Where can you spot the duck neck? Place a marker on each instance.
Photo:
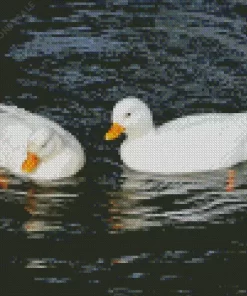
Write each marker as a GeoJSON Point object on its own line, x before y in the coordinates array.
{"type": "Point", "coordinates": [140, 131]}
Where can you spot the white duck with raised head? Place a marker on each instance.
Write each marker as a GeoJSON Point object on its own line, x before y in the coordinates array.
{"type": "Point", "coordinates": [194, 143]}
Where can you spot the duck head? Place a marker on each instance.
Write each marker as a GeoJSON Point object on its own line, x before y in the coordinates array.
{"type": "Point", "coordinates": [42, 145]}
{"type": "Point", "coordinates": [130, 116]}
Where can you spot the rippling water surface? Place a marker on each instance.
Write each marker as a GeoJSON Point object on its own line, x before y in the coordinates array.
{"type": "Point", "coordinates": [108, 230]}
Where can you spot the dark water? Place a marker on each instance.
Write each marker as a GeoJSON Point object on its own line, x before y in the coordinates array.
{"type": "Point", "coordinates": [110, 231]}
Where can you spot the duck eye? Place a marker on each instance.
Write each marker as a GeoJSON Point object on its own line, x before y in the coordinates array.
{"type": "Point", "coordinates": [128, 114]}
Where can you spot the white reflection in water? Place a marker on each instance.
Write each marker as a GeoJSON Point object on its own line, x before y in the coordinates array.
{"type": "Point", "coordinates": [45, 203]}
{"type": "Point", "coordinates": [146, 200]}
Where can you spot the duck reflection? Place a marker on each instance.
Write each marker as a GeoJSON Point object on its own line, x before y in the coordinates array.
{"type": "Point", "coordinates": [46, 205]}
{"type": "Point", "coordinates": [146, 200]}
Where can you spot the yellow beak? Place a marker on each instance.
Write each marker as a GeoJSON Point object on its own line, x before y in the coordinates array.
{"type": "Point", "coordinates": [114, 132]}
{"type": "Point", "coordinates": [30, 163]}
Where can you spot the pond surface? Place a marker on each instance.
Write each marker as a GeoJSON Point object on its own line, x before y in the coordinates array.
{"type": "Point", "coordinates": [109, 230]}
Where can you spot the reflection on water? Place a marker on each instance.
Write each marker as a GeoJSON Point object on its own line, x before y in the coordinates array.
{"type": "Point", "coordinates": [45, 209]}
{"type": "Point", "coordinates": [139, 201]}
{"type": "Point", "coordinates": [146, 201]}
{"type": "Point", "coordinates": [45, 204]}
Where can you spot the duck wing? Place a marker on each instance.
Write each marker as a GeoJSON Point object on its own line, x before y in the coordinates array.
{"type": "Point", "coordinates": [192, 121]}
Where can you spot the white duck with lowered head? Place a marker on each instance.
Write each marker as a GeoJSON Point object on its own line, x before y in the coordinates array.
{"type": "Point", "coordinates": [37, 148]}
{"type": "Point", "coordinates": [194, 143]}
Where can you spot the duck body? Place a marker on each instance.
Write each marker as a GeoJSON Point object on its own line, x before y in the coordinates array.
{"type": "Point", "coordinates": [61, 154]}
{"type": "Point", "coordinates": [195, 143]}
{"type": "Point", "coordinates": [189, 144]}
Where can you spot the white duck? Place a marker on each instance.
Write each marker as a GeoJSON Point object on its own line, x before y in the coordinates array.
{"type": "Point", "coordinates": [195, 143]}
{"type": "Point", "coordinates": [32, 146]}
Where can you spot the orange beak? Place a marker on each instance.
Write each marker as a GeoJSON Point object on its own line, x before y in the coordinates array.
{"type": "Point", "coordinates": [114, 132]}
{"type": "Point", "coordinates": [30, 163]}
